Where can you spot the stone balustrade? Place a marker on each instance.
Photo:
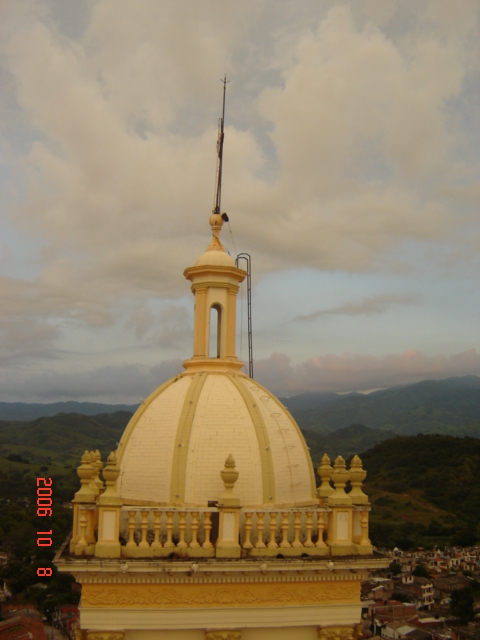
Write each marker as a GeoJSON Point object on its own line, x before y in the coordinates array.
{"type": "Point", "coordinates": [336, 524]}
{"type": "Point", "coordinates": [286, 532]}
{"type": "Point", "coordinates": [158, 532]}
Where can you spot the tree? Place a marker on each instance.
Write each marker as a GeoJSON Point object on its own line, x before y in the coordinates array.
{"type": "Point", "coordinates": [421, 571]}
{"type": "Point", "coordinates": [461, 604]}
{"type": "Point", "coordinates": [401, 597]}
{"type": "Point", "coordinates": [395, 567]}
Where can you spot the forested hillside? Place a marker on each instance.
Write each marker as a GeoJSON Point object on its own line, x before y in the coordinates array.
{"type": "Point", "coordinates": [66, 434]}
{"type": "Point", "coordinates": [345, 442]}
{"type": "Point", "coordinates": [449, 406]}
{"type": "Point", "coordinates": [425, 490]}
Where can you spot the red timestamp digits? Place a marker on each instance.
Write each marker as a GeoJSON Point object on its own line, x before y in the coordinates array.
{"type": "Point", "coordinates": [44, 508]}
{"type": "Point", "coordinates": [44, 542]}
{"type": "Point", "coordinates": [44, 497]}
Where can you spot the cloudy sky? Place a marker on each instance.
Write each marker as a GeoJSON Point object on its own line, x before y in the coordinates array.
{"type": "Point", "coordinates": [351, 175]}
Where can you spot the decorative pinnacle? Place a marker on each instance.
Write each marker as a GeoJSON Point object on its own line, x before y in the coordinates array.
{"type": "Point", "coordinates": [340, 477]}
{"type": "Point", "coordinates": [325, 472]}
{"type": "Point", "coordinates": [216, 222]}
{"type": "Point", "coordinates": [229, 476]}
{"type": "Point", "coordinates": [357, 476]}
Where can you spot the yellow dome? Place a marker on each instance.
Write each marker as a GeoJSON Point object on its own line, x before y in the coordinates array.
{"type": "Point", "coordinates": [215, 258]}
{"type": "Point", "coordinates": [175, 445]}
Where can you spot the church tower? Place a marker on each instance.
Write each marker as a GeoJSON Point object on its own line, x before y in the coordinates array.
{"type": "Point", "coordinates": [207, 523]}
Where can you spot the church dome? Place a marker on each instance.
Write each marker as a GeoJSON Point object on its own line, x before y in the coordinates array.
{"type": "Point", "coordinates": [176, 444]}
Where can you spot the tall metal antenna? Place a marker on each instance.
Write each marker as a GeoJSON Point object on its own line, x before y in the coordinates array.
{"type": "Point", "coordinates": [216, 209]}
{"type": "Point", "coordinates": [221, 123]}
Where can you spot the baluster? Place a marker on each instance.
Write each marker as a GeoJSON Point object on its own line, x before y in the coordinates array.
{"type": "Point", "coordinates": [144, 525]}
{"type": "Point", "coordinates": [321, 527]}
{"type": "Point", "coordinates": [157, 524]}
{"type": "Point", "coordinates": [273, 528]}
{"type": "Point", "coordinates": [194, 524]}
{"type": "Point", "coordinates": [182, 526]}
{"type": "Point", "coordinates": [169, 543]}
{"type": "Point", "coordinates": [296, 527]}
{"type": "Point", "coordinates": [309, 527]}
{"type": "Point", "coordinates": [248, 529]}
{"type": "Point", "coordinates": [131, 529]}
{"type": "Point", "coordinates": [285, 526]}
{"type": "Point", "coordinates": [260, 526]}
{"type": "Point", "coordinates": [207, 523]}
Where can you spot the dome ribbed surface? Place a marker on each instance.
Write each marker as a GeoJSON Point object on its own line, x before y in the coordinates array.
{"type": "Point", "coordinates": [176, 444]}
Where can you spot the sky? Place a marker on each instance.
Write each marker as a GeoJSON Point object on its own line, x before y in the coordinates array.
{"type": "Point", "coordinates": [351, 176]}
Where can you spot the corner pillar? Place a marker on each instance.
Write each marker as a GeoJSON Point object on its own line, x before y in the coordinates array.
{"type": "Point", "coordinates": [108, 545]}
{"type": "Point", "coordinates": [361, 508]}
{"type": "Point", "coordinates": [227, 545]}
{"type": "Point", "coordinates": [340, 533]}
{"type": "Point", "coordinates": [84, 512]}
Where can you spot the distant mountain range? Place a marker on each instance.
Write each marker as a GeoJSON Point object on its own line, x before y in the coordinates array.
{"type": "Point", "coordinates": [24, 412]}
{"type": "Point", "coordinates": [450, 406]}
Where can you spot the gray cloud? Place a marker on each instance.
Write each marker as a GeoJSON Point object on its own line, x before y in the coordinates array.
{"type": "Point", "coordinates": [337, 373]}
{"type": "Point", "coordinates": [127, 384]}
{"type": "Point", "coordinates": [355, 372]}
{"type": "Point", "coordinates": [368, 306]}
